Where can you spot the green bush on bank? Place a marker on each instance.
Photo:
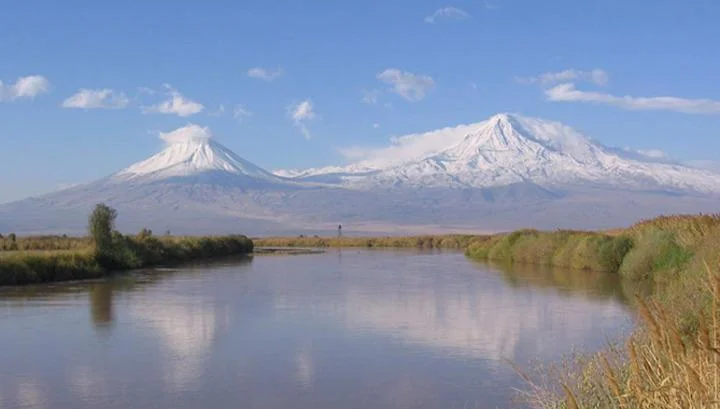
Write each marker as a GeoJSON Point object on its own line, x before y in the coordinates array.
{"type": "Point", "coordinates": [567, 249]}
{"type": "Point", "coordinates": [112, 251]}
{"type": "Point", "coordinates": [28, 268]}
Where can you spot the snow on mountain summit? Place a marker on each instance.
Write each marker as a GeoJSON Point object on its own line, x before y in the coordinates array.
{"type": "Point", "coordinates": [190, 151]}
{"type": "Point", "coordinates": [507, 149]}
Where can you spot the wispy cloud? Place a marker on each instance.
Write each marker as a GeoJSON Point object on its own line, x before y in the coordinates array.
{"type": "Point", "coordinates": [569, 93]}
{"type": "Point", "coordinates": [490, 6]}
{"type": "Point", "coordinates": [410, 86]}
{"type": "Point", "coordinates": [219, 112]}
{"type": "Point", "coordinates": [96, 99]}
{"type": "Point", "coordinates": [264, 74]}
{"type": "Point", "coordinates": [447, 14]}
{"type": "Point", "coordinates": [653, 153]}
{"type": "Point", "coordinates": [597, 76]}
{"type": "Point", "coordinates": [177, 104]}
{"type": "Point", "coordinates": [146, 90]}
{"type": "Point", "coordinates": [376, 125]}
{"type": "Point", "coordinates": [24, 87]}
{"type": "Point", "coordinates": [240, 113]}
{"type": "Point", "coordinates": [371, 97]}
{"type": "Point", "coordinates": [301, 113]}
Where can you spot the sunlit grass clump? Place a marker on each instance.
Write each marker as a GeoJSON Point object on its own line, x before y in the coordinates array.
{"type": "Point", "coordinates": [658, 367]}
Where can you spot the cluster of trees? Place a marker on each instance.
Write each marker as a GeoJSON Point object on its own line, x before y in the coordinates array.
{"type": "Point", "coordinates": [113, 250]}
{"type": "Point", "coordinates": [9, 243]}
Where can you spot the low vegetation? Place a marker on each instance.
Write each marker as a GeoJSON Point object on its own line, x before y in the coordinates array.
{"type": "Point", "coordinates": [11, 242]}
{"type": "Point", "coordinates": [659, 366]}
{"type": "Point", "coordinates": [428, 242]}
{"type": "Point", "coordinates": [672, 361]}
{"type": "Point", "coordinates": [108, 250]}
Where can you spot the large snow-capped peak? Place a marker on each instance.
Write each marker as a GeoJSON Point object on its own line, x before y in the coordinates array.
{"type": "Point", "coordinates": [191, 151]}
{"type": "Point", "coordinates": [509, 148]}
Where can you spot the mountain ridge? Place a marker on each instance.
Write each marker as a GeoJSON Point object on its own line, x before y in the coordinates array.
{"type": "Point", "coordinates": [503, 173]}
{"type": "Point", "coordinates": [509, 148]}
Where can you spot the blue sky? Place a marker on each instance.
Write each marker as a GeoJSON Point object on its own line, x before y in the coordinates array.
{"type": "Point", "coordinates": [316, 77]}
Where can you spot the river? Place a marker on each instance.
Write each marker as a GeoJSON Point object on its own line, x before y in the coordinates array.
{"type": "Point", "coordinates": [344, 329]}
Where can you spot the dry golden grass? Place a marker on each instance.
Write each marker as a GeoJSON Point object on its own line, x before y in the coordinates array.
{"type": "Point", "coordinates": [658, 367]}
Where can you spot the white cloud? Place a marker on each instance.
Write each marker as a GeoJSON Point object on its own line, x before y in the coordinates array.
{"type": "Point", "coordinates": [371, 97]}
{"type": "Point", "coordinates": [146, 90]}
{"type": "Point", "coordinates": [25, 87]}
{"type": "Point", "coordinates": [597, 76]}
{"type": "Point", "coordinates": [376, 125]}
{"type": "Point", "coordinates": [408, 147]}
{"type": "Point", "coordinates": [301, 113]}
{"type": "Point", "coordinates": [447, 14]}
{"type": "Point", "coordinates": [408, 85]}
{"type": "Point", "coordinates": [188, 133]}
{"type": "Point", "coordinates": [176, 105]}
{"type": "Point", "coordinates": [264, 74]}
{"type": "Point", "coordinates": [569, 93]}
{"type": "Point", "coordinates": [97, 98]}
{"type": "Point", "coordinates": [241, 113]}
{"type": "Point", "coordinates": [653, 153]}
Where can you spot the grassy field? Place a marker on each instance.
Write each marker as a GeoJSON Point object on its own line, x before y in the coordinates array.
{"type": "Point", "coordinates": [672, 361]}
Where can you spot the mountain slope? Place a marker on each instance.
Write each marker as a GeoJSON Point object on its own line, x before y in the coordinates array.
{"type": "Point", "coordinates": [508, 149]}
{"type": "Point", "coordinates": [191, 152]}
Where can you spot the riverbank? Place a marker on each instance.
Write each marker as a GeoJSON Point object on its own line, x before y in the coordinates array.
{"type": "Point", "coordinates": [450, 241]}
{"type": "Point", "coordinates": [284, 251]}
{"type": "Point", "coordinates": [672, 358]}
{"type": "Point", "coordinates": [129, 252]}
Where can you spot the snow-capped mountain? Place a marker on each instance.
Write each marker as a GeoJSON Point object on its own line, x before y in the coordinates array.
{"type": "Point", "coordinates": [508, 149]}
{"type": "Point", "coordinates": [191, 152]}
{"type": "Point", "coordinates": [503, 173]}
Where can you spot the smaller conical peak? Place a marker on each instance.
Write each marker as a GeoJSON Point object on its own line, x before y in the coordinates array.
{"type": "Point", "coordinates": [191, 150]}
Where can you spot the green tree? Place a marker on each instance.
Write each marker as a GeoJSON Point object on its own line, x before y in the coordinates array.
{"type": "Point", "coordinates": [101, 225]}
{"type": "Point", "coordinates": [13, 242]}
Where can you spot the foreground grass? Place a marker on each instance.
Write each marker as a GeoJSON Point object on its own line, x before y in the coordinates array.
{"type": "Point", "coordinates": [672, 359]}
{"type": "Point", "coordinates": [658, 366]}
{"type": "Point", "coordinates": [130, 252]}
{"type": "Point", "coordinates": [456, 241]}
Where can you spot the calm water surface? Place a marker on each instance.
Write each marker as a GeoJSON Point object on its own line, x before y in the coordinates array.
{"type": "Point", "coordinates": [345, 329]}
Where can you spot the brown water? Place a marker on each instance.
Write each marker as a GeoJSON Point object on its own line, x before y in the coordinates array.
{"type": "Point", "coordinates": [345, 329]}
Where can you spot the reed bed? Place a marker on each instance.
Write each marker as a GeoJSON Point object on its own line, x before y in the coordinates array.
{"type": "Point", "coordinates": [657, 367]}
{"type": "Point", "coordinates": [427, 242]}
